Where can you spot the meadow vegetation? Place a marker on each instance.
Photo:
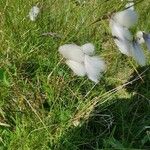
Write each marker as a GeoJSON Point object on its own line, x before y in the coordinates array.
{"type": "Point", "coordinates": [44, 106]}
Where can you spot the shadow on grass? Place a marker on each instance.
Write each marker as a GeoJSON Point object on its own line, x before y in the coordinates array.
{"type": "Point", "coordinates": [123, 125]}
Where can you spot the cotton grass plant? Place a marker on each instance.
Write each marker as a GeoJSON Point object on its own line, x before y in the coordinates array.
{"type": "Point", "coordinates": [81, 60]}
{"type": "Point", "coordinates": [44, 105]}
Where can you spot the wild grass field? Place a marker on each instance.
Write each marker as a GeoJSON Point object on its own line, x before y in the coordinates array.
{"type": "Point", "coordinates": [44, 106]}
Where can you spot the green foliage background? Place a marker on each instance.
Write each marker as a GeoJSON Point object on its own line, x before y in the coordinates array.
{"type": "Point", "coordinates": [44, 106]}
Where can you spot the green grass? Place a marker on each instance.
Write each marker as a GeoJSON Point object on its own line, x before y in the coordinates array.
{"type": "Point", "coordinates": [44, 106]}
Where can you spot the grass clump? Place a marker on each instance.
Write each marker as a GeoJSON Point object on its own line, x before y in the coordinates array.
{"type": "Point", "coordinates": [44, 106]}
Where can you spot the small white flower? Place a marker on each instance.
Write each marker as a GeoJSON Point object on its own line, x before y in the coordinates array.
{"type": "Point", "coordinates": [34, 11]}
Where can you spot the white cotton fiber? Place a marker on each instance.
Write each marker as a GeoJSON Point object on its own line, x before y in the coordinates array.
{"type": "Point", "coordinates": [126, 18]}
{"type": "Point", "coordinates": [88, 48]}
{"type": "Point", "coordinates": [138, 54]}
{"type": "Point", "coordinates": [143, 37]}
{"type": "Point", "coordinates": [139, 37]}
{"type": "Point", "coordinates": [72, 52]}
{"type": "Point", "coordinates": [124, 46]}
{"type": "Point", "coordinates": [94, 67]}
{"type": "Point", "coordinates": [120, 31]}
{"type": "Point", "coordinates": [77, 68]}
{"type": "Point", "coordinates": [34, 11]}
{"type": "Point", "coordinates": [122, 37]}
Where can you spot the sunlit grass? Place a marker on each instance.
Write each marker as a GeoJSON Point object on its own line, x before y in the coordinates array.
{"type": "Point", "coordinates": [43, 105]}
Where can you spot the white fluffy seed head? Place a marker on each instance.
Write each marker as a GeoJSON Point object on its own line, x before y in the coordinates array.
{"type": "Point", "coordinates": [143, 37]}
{"type": "Point", "coordinates": [122, 37]}
{"type": "Point", "coordinates": [120, 31]}
{"type": "Point", "coordinates": [139, 37]}
{"type": "Point", "coordinates": [88, 48]}
{"type": "Point", "coordinates": [94, 67]}
{"type": "Point", "coordinates": [34, 11]}
{"type": "Point", "coordinates": [137, 54]}
{"type": "Point", "coordinates": [79, 61]}
{"type": "Point", "coordinates": [126, 18]}
{"type": "Point", "coordinates": [124, 46]}
{"type": "Point", "coordinates": [72, 52]}
{"type": "Point", "coordinates": [76, 67]}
